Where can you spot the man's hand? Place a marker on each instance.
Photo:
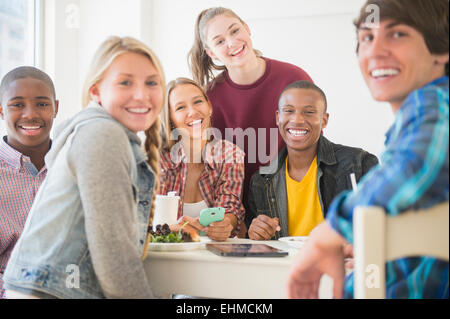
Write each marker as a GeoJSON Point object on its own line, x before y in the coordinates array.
{"type": "Point", "coordinates": [263, 228]}
{"type": "Point", "coordinates": [322, 254]}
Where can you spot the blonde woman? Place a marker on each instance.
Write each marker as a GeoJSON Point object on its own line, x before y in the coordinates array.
{"type": "Point", "coordinates": [87, 231]}
{"type": "Point", "coordinates": [204, 171]}
{"type": "Point", "coordinates": [245, 94]}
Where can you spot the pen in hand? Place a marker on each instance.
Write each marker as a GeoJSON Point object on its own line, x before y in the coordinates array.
{"type": "Point", "coordinates": [353, 180]}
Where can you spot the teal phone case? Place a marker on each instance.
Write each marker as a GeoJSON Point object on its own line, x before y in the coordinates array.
{"type": "Point", "coordinates": [211, 215]}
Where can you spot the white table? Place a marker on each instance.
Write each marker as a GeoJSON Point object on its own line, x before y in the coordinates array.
{"type": "Point", "coordinates": [204, 274]}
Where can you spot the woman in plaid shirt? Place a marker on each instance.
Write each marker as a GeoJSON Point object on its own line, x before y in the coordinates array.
{"type": "Point", "coordinates": [203, 170]}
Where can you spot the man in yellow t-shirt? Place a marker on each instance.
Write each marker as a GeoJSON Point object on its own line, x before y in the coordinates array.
{"type": "Point", "coordinates": [309, 172]}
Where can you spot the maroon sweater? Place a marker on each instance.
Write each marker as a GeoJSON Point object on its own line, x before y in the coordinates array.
{"type": "Point", "coordinates": [253, 106]}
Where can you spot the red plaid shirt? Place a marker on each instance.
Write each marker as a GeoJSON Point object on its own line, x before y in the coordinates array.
{"type": "Point", "coordinates": [220, 183]}
{"type": "Point", "coordinates": [19, 183]}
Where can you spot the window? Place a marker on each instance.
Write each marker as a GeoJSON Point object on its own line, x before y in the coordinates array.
{"type": "Point", "coordinates": [17, 37]}
{"type": "Point", "coordinates": [17, 34]}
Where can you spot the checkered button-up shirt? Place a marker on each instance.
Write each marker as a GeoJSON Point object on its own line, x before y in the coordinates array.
{"type": "Point", "coordinates": [19, 183]}
{"type": "Point", "coordinates": [221, 182]}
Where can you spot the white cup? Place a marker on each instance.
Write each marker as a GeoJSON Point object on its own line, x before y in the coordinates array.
{"type": "Point", "coordinates": [166, 210]}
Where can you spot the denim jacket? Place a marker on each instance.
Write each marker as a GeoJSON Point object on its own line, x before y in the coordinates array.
{"type": "Point", "coordinates": [335, 163]}
{"type": "Point", "coordinates": [55, 236]}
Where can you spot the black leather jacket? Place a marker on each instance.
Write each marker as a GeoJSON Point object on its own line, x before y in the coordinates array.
{"type": "Point", "coordinates": [267, 194]}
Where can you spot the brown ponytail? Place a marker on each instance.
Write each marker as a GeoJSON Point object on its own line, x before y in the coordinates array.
{"type": "Point", "coordinates": [201, 63]}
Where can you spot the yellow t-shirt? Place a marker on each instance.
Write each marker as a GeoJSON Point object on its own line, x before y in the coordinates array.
{"type": "Point", "coordinates": [304, 210]}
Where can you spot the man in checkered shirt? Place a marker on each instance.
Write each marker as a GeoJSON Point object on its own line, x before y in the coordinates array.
{"type": "Point", "coordinates": [28, 106]}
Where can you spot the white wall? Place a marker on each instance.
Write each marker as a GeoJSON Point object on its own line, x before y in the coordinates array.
{"type": "Point", "coordinates": [73, 31]}
{"type": "Point", "coordinates": [316, 35]}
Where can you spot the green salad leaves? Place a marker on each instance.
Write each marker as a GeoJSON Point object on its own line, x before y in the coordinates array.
{"type": "Point", "coordinates": [164, 235]}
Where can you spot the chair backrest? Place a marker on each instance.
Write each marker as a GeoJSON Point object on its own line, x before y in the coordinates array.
{"type": "Point", "coordinates": [379, 238]}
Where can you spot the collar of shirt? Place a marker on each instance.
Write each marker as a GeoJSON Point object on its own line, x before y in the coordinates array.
{"type": "Point", "coordinates": [409, 105]}
{"type": "Point", "coordinates": [16, 159]}
{"type": "Point", "coordinates": [11, 156]}
{"type": "Point", "coordinates": [325, 152]}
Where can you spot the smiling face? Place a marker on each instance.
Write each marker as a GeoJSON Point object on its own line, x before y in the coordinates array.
{"type": "Point", "coordinates": [301, 116]}
{"type": "Point", "coordinates": [228, 40]}
{"type": "Point", "coordinates": [190, 110]}
{"type": "Point", "coordinates": [28, 107]}
{"type": "Point", "coordinates": [395, 61]}
{"type": "Point", "coordinates": [130, 91]}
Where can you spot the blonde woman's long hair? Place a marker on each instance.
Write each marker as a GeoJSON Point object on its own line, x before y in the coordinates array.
{"type": "Point", "coordinates": [104, 56]}
{"type": "Point", "coordinates": [202, 66]}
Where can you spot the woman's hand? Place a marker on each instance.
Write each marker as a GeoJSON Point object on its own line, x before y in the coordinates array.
{"type": "Point", "coordinates": [263, 228]}
{"type": "Point", "coordinates": [220, 231]}
{"type": "Point", "coordinates": [193, 222]}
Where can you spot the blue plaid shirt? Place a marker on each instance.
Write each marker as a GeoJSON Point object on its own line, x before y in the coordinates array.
{"type": "Point", "coordinates": [413, 174]}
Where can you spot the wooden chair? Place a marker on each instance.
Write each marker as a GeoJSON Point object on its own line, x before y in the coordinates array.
{"type": "Point", "coordinates": [379, 238]}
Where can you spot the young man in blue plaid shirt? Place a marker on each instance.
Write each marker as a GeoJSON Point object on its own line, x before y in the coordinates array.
{"type": "Point", "coordinates": [404, 61]}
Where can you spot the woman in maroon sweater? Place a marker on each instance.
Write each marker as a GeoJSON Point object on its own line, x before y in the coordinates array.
{"type": "Point", "coordinates": [245, 94]}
